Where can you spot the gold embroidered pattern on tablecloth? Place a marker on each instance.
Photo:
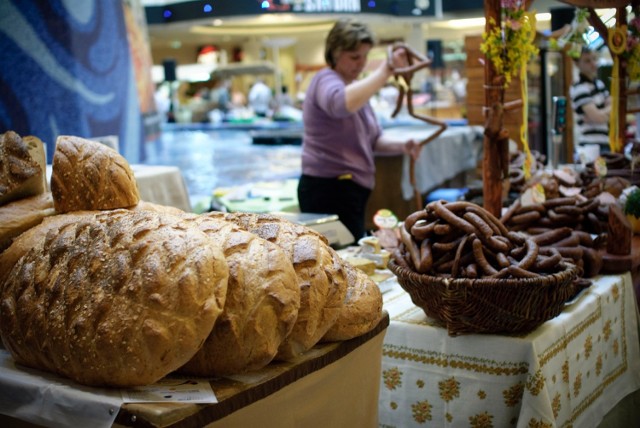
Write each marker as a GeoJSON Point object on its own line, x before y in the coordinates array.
{"type": "Point", "coordinates": [392, 378]}
{"type": "Point", "coordinates": [562, 344]}
{"type": "Point", "coordinates": [421, 411]}
{"type": "Point", "coordinates": [483, 420]}
{"type": "Point", "coordinates": [535, 383]}
{"type": "Point", "coordinates": [513, 395]}
{"type": "Point", "coordinates": [449, 389]}
{"type": "Point", "coordinates": [478, 365]}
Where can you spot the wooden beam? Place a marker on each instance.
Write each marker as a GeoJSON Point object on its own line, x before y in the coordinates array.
{"type": "Point", "coordinates": [494, 99]}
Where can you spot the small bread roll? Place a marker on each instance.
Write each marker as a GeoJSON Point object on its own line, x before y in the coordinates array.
{"type": "Point", "coordinates": [87, 175]}
{"type": "Point", "coordinates": [113, 298]}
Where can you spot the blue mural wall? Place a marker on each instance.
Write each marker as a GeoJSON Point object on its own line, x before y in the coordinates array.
{"type": "Point", "coordinates": [66, 69]}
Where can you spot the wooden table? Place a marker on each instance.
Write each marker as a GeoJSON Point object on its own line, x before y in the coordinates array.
{"type": "Point", "coordinates": [334, 384]}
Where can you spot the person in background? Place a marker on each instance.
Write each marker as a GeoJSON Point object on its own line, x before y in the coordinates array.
{"type": "Point", "coordinates": [341, 132]}
{"type": "Point", "coordinates": [219, 96]}
{"type": "Point", "coordinates": [591, 103]}
{"type": "Point", "coordinates": [260, 98]}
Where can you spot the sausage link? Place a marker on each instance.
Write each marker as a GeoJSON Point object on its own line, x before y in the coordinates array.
{"type": "Point", "coordinates": [413, 218]}
{"type": "Point", "coordinates": [504, 219]}
{"type": "Point", "coordinates": [556, 202]}
{"type": "Point", "coordinates": [426, 257]}
{"type": "Point", "coordinates": [570, 241]}
{"type": "Point", "coordinates": [478, 253]}
{"type": "Point", "coordinates": [471, 271]}
{"type": "Point", "coordinates": [561, 219]}
{"type": "Point", "coordinates": [442, 229]}
{"type": "Point", "coordinates": [422, 229]}
{"type": "Point", "coordinates": [483, 228]}
{"type": "Point", "coordinates": [526, 218]}
{"type": "Point", "coordinates": [547, 262]}
{"type": "Point", "coordinates": [502, 260]}
{"type": "Point", "coordinates": [531, 254]}
{"type": "Point", "coordinates": [444, 213]}
{"type": "Point", "coordinates": [516, 238]}
{"type": "Point", "coordinates": [456, 260]}
{"type": "Point", "coordinates": [554, 235]}
{"type": "Point", "coordinates": [571, 210]}
{"type": "Point", "coordinates": [574, 253]}
{"type": "Point", "coordinates": [411, 246]}
{"type": "Point", "coordinates": [446, 246]}
{"type": "Point", "coordinates": [500, 228]}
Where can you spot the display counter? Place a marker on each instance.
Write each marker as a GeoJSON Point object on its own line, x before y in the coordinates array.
{"type": "Point", "coordinates": [571, 371]}
{"type": "Point", "coordinates": [333, 384]}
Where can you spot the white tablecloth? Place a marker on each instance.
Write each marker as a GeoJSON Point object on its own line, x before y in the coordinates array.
{"type": "Point", "coordinates": [569, 372]}
{"type": "Point", "coordinates": [456, 150]}
{"type": "Point", "coordinates": [162, 185]}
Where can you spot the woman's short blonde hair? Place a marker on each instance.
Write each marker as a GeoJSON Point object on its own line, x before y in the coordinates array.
{"type": "Point", "coordinates": [346, 35]}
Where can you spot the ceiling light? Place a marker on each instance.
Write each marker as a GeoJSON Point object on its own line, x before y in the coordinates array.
{"type": "Point", "coordinates": [459, 24]}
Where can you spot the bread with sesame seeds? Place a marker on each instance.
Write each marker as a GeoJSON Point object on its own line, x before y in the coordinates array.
{"type": "Point", "coordinates": [113, 298]}
{"type": "Point", "coordinates": [88, 175]}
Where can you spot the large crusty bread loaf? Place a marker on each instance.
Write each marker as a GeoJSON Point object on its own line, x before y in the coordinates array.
{"type": "Point", "coordinates": [362, 309]}
{"type": "Point", "coordinates": [21, 215]}
{"type": "Point", "coordinates": [262, 302]}
{"type": "Point", "coordinates": [21, 176]}
{"type": "Point", "coordinates": [322, 280]}
{"type": "Point", "coordinates": [87, 175]}
{"type": "Point", "coordinates": [116, 298]}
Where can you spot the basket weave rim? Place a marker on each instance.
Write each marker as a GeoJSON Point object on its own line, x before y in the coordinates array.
{"type": "Point", "coordinates": [570, 271]}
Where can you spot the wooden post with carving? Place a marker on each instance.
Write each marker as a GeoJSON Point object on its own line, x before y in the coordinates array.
{"type": "Point", "coordinates": [494, 99]}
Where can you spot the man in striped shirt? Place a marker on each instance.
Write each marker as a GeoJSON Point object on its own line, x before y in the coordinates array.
{"type": "Point", "coordinates": [591, 103]}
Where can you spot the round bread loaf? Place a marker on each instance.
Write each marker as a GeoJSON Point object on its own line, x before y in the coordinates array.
{"type": "Point", "coordinates": [261, 307]}
{"type": "Point", "coordinates": [87, 175]}
{"type": "Point", "coordinates": [362, 309]}
{"type": "Point", "coordinates": [113, 298]}
{"type": "Point", "coordinates": [322, 281]}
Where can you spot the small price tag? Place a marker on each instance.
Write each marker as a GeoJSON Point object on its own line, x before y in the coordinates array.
{"type": "Point", "coordinates": [600, 166]}
{"type": "Point", "coordinates": [533, 195]}
{"type": "Point", "coordinates": [385, 219]}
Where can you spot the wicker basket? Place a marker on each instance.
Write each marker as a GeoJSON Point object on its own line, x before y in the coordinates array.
{"type": "Point", "coordinates": [489, 305]}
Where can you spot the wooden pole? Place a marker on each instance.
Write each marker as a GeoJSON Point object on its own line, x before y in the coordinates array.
{"type": "Point", "coordinates": [494, 99]}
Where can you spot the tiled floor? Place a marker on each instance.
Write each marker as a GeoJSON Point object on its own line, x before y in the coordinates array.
{"type": "Point", "coordinates": [211, 159]}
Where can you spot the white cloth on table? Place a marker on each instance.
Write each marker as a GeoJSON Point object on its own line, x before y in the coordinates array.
{"type": "Point", "coordinates": [570, 371]}
{"type": "Point", "coordinates": [456, 150]}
